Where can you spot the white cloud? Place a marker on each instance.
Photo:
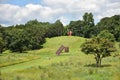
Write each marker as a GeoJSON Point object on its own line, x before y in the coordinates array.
{"type": "Point", "coordinates": [109, 9]}
{"type": "Point", "coordinates": [6, 11]}
{"type": "Point", "coordinates": [74, 5]}
{"type": "Point", "coordinates": [15, 14]}
{"type": "Point", "coordinates": [51, 10]}
{"type": "Point", "coordinates": [100, 9]}
{"type": "Point", "coordinates": [64, 20]}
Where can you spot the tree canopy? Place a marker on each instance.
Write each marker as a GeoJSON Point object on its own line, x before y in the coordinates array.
{"type": "Point", "coordinates": [112, 24]}
{"type": "Point", "coordinates": [83, 28]}
{"type": "Point", "coordinates": [29, 36]}
{"type": "Point", "coordinates": [32, 34]}
{"type": "Point", "coordinates": [107, 35]}
{"type": "Point", "coordinates": [99, 47]}
{"type": "Point", "coordinates": [2, 44]}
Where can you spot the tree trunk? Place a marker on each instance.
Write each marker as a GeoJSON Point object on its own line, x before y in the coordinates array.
{"type": "Point", "coordinates": [0, 51]}
{"type": "Point", "coordinates": [98, 61]}
{"type": "Point", "coordinates": [21, 50]}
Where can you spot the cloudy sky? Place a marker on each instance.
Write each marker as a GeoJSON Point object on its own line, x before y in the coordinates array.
{"type": "Point", "coordinates": [20, 11]}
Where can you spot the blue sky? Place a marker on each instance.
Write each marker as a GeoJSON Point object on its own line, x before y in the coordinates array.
{"type": "Point", "coordinates": [20, 2]}
{"type": "Point", "coordinates": [14, 12]}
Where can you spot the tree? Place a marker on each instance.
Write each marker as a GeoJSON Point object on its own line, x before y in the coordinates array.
{"type": "Point", "coordinates": [76, 27]}
{"type": "Point", "coordinates": [35, 36]}
{"type": "Point", "coordinates": [107, 35]}
{"type": "Point", "coordinates": [88, 19]}
{"type": "Point", "coordinates": [84, 28]}
{"type": "Point", "coordinates": [112, 24]}
{"type": "Point", "coordinates": [58, 28]}
{"type": "Point", "coordinates": [2, 44]}
{"type": "Point", "coordinates": [21, 38]}
{"type": "Point", "coordinates": [88, 25]}
{"type": "Point", "coordinates": [32, 22]}
{"type": "Point", "coordinates": [15, 40]}
{"type": "Point", "coordinates": [99, 47]}
{"type": "Point", "coordinates": [55, 29]}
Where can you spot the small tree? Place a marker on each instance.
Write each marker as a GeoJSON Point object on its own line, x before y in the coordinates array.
{"type": "Point", "coordinates": [99, 47]}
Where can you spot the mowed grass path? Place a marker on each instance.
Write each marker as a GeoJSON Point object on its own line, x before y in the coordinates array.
{"type": "Point", "coordinates": [47, 54]}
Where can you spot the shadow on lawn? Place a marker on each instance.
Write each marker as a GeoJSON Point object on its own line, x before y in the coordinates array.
{"type": "Point", "coordinates": [94, 65]}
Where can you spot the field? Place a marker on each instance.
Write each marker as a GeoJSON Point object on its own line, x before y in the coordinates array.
{"type": "Point", "coordinates": [44, 64]}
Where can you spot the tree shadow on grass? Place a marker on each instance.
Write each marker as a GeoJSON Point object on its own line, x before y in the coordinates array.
{"type": "Point", "coordinates": [94, 65]}
{"type": "Point", "coordinates": [23, 52]}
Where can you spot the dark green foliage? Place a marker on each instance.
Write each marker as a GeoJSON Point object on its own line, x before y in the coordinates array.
{"type": "Point", "coordinates": [29, 36]}
{"type": "Point", "coordinates": [58, 28]}
{"type": "Point", "coordinates": [76, 27]}
{"type": "Point", "coordinates": [32, 35]}
{"type": "Point", "coordinates": [112, 24]}
{"type": "Point", "coordinates": [32, 22]}
{"type": "Point", "coordinates": [88, 19]}
{"type": "Point", "coordinates": [99, 47]}
{"type": "Point", "coordinates": [35, 36]}
{"type": "Point", "coordinates": [107, 35]}
{"type": "Point", "coordinates": [24, 37]}
{"type": "Point", "coordinates": [15, 39]}
{"type": "Point", "coordinates": [2, 44]}
{"type": "Point", "coordinates": [88, 28]}
{"type": "Point", "coordinates": [1, 29]}
{"type": "Point", "coordinates": [83, 28]}
{"type": "Point", "coordinates": [55, 29]}
{"type": "Point", "coordinates": [65, 32]}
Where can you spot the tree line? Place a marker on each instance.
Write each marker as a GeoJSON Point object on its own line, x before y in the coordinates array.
{"type": "Point", "coordinates": [87, 28]}
{"type": "Point", "coordinates": [31, 35]}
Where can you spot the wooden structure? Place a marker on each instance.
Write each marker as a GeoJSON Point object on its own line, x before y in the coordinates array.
{"type": "Point", "coordinates": [66, 49]}
{"type": "Point", "coordinates": [61, 48]}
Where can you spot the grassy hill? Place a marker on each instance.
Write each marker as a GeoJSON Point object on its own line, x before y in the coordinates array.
{"type": "Point", "coordinates": [8, 59]}
{"type": "Point", "coordinates": [44, 64]}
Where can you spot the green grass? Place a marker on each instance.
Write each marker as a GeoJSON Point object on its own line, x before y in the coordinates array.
{"type": "Point", "coordinates": [40, 56]}
{"type": "Point", "coordinates": [44, 64]}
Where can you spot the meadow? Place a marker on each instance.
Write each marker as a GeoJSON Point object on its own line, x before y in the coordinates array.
{"type": "Point", "coordinates": [44, 64]}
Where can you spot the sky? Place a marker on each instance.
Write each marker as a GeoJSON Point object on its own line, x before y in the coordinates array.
{"type": "Point", "coordinates": [14, 12]}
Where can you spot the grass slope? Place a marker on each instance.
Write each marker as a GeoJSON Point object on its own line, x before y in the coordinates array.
{"type": "Point", "coordinates": [74, 65]}
{"type": "Point", "coordinates": [14, 61]}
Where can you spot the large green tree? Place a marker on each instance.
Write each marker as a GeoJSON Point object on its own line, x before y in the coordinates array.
{"type": "Point", "coordinates": [55, 29]}
{"type": "Point", "coordinates": [88, 25]}
{"type": "Point", "coordinates": [76, 27]}
{"type": "Point", "coordinates": [35, 35]}
{"type": "Point", "coordinates": [99, 47]}
{"type": "Point", "coordinates": [15, 39]}
{"type": "Point", "coordinates": [21, 38]}
{"type": "Point", "coordinates": [112, 24]}
{"type": "Point", "coordinates": [84, 28]}
{"type": "Point", "coordinates": [31, 35]}
{"type": "Point", "coordinates": [88, 19]}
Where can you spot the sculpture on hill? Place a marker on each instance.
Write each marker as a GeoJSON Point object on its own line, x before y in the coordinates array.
{"type": "Point", "coordinates": [69, 33]}
{"type": "Point", "coordinates": [61, 48]}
